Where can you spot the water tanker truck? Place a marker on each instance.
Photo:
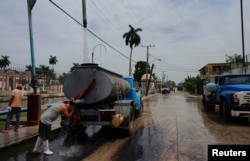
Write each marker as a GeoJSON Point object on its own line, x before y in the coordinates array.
{"type": "Point", "coordinates": [102, 97]}
{"type": "Point", "coordinates": [209, 95]}
{"type": "Point", "coordinates": [231, 92]}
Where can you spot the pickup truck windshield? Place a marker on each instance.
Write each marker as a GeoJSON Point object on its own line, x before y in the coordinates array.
{"type": "Point", "coordinates": [237, 79]}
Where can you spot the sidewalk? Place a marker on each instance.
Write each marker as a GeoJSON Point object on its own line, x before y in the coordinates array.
{"type": "Point", "coordinates": [28, 132]}
{"type": "Point", "coordinates": [24, 132]}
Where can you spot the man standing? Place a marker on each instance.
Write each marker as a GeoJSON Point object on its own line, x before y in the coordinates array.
{"type": "Point", "coordinates": [59, 108]}
{"type": "Point", "coordinates": [15, 105]}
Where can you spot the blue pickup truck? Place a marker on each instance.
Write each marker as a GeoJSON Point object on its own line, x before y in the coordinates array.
{"type": "Point", "coordinates": [233, 95]}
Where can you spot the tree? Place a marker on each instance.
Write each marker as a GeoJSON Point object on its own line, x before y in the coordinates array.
{"type": "Point", "coordinates": [23, 81]}
{"type": "Point", "coordinates": [74, 65]}
{"type": "Point", "coordinates": [4, 62]}
{"type": "Point", "coordinates": [29, 68]}
{"type": "Point", "coordinates": [46, 73]}
{"type": "Point", "coordinates": [52, 61]}
{"type": "Point", "coordinates": [140, 69]}
{"type": "Point", "coordinates": [192, 84]}
{"type": "Point", "coordinates": [62, 77]}
{"type": "Point", "coordinates": [132, 39]}
{"type": "Point", "coordinates": [234, 59]}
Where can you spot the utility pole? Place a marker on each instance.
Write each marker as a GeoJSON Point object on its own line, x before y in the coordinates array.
{"type": "Point", "coordinates": [148, 46]}
{"type": "Point", "coordinates": [242, 34]}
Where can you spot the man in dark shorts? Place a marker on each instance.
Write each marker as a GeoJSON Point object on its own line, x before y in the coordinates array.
{"type": "Point", "coordinates": [64, 107]}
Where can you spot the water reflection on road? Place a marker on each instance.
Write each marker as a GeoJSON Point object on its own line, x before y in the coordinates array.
{"type": "Point", "coordinates": [176, 128]}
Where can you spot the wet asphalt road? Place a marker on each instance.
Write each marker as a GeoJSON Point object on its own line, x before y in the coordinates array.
{"type": "Point", "coordinates": [173, 127]}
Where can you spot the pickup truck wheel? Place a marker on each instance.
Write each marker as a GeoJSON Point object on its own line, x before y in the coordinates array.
{"type": "Point", "coordinates": [226, 112]}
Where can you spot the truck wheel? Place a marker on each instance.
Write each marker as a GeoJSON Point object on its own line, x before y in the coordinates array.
{"type": "Point", "coordinates": [139, 112]}
{"type": "Point", "coordinates": [206, 105]}
{"type": "Point", "coordinates": [212, 108]}
{"type": "Point", "coordinates": [221, 108]}
{"type": "Point", "coordinates": [203, 100]}
{"type": "Point", "coordinates": [226, 112]}
{"type": "Point", "coordinates": [131, 121]}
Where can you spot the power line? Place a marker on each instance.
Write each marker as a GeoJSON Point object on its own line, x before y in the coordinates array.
{"type": "Point", "coordinates": [168, 65]}
{"type": "Point", "coordinates": [90, 31]}
{"type": "Point", "coordinates": [181, 69]}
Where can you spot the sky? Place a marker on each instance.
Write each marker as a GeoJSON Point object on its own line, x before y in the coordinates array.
{"type": "Point", "coordinates": [183, 35]}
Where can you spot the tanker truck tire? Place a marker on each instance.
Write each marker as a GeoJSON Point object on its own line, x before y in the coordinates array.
{"type": "Point", "coordinates": [139, 112]}
{"type": "Point", "coordinates": [212, 108]}
{"type": "Point", "coordinates": [131, 118]}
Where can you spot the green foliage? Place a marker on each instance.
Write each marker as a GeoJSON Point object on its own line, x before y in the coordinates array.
{"type": "Point", "coordinates": [74, 65]}
{"type": "Point", "coordinates": [132, 38]}
{"type": "Point", "coordinates": [52, 61]}
{"type": "Point", "coordinates": [190, 84]}
{"type": "Point", "coordinates": [234, 59]}
{"type": "Point", "coordinates": [4, 62]}
{"type": "Point", "coordinates": [23, 81]}
{"type": "Point", "coordinates": [140, 69]}
{"type": "Point", "coordinates": [62, 77]}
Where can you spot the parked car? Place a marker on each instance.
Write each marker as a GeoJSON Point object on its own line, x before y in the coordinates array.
{"type": "Point", "coordinates": [165, 90]}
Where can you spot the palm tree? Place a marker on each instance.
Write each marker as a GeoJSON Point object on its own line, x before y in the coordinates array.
{"type": "Point", "coordinates": [4, 62]}
{"type": "Point", "coordinates": [52, 61]}
{"type": "Point", "coordinates": [74, 65]}
{"type": "Point", "coordinates": [43, 72]}
{"type": "Point", "coordinates": [132, 39]}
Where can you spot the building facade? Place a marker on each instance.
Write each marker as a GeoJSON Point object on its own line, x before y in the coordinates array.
{"type": "Point", "coordinates": [212, 70]}
{"type": "Point", "coordinates": [10, 78]}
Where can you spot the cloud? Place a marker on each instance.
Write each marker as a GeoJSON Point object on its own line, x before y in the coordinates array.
{"type": "Point", "coordinates": [187, 34]}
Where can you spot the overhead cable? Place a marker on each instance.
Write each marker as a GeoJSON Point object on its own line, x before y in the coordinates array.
{"type": "Point", "coordinates": [89, 30]}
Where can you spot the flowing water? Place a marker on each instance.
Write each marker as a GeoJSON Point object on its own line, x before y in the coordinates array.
{"type": "Point", "coordinates": [85, 46]}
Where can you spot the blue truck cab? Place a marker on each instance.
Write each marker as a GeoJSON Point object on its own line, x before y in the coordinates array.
{"type": "Point", "coordinates": [134, 95]}
{"type": "Point", "coordinates": [233, 95]}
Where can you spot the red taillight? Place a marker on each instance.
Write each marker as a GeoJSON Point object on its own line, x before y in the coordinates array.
{"type": "Point", "coordinates": [107, 112]}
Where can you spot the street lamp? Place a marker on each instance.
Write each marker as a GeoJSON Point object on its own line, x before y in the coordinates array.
{"type": "Point", "coordinates": [155, 60]}
{"type": "Point", "coordinates": [94, 49]}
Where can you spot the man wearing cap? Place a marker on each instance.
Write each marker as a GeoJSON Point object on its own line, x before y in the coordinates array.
{"type": "Point", "coordinates": [65, 108]}
{"type": "Point", "coordinates": [15, 105]}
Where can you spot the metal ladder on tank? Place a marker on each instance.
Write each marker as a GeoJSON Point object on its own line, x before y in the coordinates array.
{"type": "Point", "coordinates": [119, 96]}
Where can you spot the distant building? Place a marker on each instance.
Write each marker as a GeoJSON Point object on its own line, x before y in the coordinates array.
{"type": "Point", "coordinates": [144, 80]}
{"type": "Point", "coordinates": [10, 78]}
{"type": "Point", "coordinates": [214, 69]}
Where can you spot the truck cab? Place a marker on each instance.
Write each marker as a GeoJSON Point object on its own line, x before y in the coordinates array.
{"type": "Point", "coordinates": [134, 95]}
